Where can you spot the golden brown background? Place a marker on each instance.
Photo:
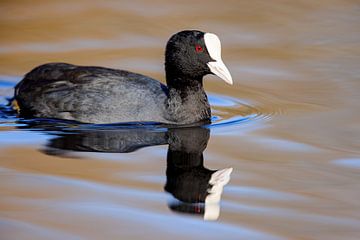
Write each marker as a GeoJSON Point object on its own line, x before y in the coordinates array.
{"type": "Point", "coordinates": [296, 166]}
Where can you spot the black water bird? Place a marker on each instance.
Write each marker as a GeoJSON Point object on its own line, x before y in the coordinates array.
{"type": "Point", "coordinates": [103, 95]}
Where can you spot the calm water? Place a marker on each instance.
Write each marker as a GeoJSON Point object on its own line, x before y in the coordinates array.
{"type": "Point", "coordinates": [289, 127]}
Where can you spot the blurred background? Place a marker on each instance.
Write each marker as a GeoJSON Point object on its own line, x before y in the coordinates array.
{"type": "Point", "coordinates": [296, 159]}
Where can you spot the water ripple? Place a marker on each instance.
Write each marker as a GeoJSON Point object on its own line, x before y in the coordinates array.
{"type": "Point", "coordinates": [229, 111]}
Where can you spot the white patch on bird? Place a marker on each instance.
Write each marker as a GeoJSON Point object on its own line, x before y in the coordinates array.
{"type": "Point", "coordinates": [217, 67]}
{"type": "Point", "coordinates": [213, 46]}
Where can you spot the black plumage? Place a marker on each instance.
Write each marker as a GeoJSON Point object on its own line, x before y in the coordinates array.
{"type": "Point", "coordinates": [103, 95]}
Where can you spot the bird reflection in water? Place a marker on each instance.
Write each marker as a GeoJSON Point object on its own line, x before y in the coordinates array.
{"type": "Point", "coordinates": [196, 189]}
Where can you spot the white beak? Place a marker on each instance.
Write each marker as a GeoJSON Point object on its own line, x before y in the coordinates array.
{"type": "Point", "coordinates": [217, 67]}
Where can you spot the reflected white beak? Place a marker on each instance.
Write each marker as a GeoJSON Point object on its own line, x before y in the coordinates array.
{"type": "Point", "coordinates": [217, 67]}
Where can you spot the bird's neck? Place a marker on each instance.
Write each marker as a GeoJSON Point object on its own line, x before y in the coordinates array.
{"type": "Point", "coordinates": [187, 102]}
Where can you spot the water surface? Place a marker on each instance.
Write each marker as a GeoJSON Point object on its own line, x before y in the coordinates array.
{"type": "Point", "coordinates": [288, 127]}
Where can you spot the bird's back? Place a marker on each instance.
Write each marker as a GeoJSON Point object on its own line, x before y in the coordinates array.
{"type": "Point", "coordinates": [90, 94]}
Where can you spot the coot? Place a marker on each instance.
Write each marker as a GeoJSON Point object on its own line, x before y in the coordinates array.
{"type": "Point", "coordinates": [103, 95]}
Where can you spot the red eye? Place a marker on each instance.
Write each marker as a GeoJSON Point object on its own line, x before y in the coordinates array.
{"type": "Point", "coordinates": [198, 48]}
